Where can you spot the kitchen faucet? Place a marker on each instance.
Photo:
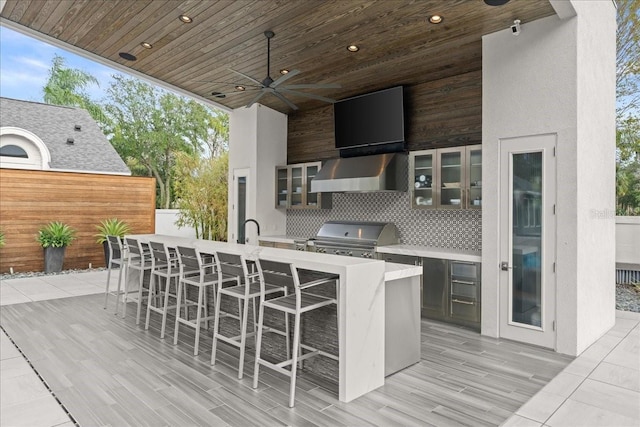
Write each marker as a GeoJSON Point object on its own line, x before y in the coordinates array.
{"type": "Point", "coordinates": [244, 227]}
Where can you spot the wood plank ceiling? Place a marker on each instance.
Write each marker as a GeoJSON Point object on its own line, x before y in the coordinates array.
{"type": "Point", "coordinates": [397, 43]}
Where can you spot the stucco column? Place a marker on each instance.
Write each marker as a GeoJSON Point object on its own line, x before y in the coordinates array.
{"type": "Point", "coordinates": [558, 77]}
{"type": "Point", "coordinates": [258, 142]}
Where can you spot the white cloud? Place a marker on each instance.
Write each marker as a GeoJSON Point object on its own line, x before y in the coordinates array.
{"type": "Point", "coordinates": [33, 63]}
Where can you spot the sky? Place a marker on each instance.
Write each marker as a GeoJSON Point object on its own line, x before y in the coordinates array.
{"type": "Point", "coordinates": [25, 63]}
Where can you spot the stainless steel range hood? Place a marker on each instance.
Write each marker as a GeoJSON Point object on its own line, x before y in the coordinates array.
{"type": "Point", "coordinates": [379, 172]}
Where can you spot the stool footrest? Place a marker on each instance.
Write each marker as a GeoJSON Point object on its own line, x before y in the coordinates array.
{"type": "Point", "coordinates": [192, 323]}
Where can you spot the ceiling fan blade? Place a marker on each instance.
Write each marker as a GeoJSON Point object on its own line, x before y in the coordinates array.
{"type": "Point", "coordinates": [222, 95]}
{"type": "Point", "coordinates": [308, 95]}
{"type": "Point", "coordinates": [313, 86]}
{"type": "Point", "coordinates": [284, 78]}
{"type": "Point", "coordinates": [285, 100]}
{"type": "Point", "coordinates": [246, 76]}
{"type": "Point", "coordinates": [254, 100]}
{"type": "Point", "coordinates": [228, 84]}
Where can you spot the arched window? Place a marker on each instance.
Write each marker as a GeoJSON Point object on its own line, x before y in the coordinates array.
{"type": "Point", "coordinates": [22, 149]}
{"type": "Point", "coordinates": [13, 151]}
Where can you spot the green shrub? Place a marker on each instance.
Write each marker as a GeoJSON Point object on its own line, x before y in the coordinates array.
{"type": "Point", "coordinates": [2, 241]}
{"type": "Point", "coordinates": [111, 227]}
{"type": "Point", "coordinates": [55, 234]}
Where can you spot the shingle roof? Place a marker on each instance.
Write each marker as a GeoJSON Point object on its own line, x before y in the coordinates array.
{"type": "Point", "coordinates": [53, 124]}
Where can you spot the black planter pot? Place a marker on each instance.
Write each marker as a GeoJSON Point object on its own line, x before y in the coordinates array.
{"type": "Point", "coordinates": [53, 259]}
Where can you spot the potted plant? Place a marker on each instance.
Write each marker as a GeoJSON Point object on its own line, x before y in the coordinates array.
{"type": "Point", "coordinates": [54, 239]}
{"type": "Point", "coordinates": [110, 227]}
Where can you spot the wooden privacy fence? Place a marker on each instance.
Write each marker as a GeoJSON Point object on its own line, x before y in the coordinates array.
{"type": "Point", "coordinates": [30, 199]}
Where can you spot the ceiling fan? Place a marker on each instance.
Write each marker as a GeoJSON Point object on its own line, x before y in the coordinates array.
{"type": "Point", "coordinates": [276, 87]}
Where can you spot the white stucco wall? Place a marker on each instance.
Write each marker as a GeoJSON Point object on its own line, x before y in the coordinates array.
{"type": "Point", "coordinates": [258, 141]}
{"type": "Point", "coordinates": [537, 83]}
{"type": "Point", "coordinates": [628, 239]}
{"type": "Point", "coordinates": [166, 224]}
{"type": "Point", "coordinates": [596, 60]}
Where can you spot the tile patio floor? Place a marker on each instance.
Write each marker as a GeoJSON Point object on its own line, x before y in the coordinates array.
{"type": "Point", "coordinates": [599, 388]}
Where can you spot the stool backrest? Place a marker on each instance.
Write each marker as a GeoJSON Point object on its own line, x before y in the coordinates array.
{"type": "Point", "coordinates": [160, 255]}
{"type": "Point", "coordinates": [278, 273]}
{"type": "Point", "coordinates": [190, 261]}
{"type": "Point", "coordinates": [231, 265]}
{"type": "Point", "coordinates": [134, 247]}
{"type": "Point", "coordinates": [115, 247]}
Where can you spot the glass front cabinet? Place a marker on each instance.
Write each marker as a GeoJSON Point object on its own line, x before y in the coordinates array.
{"type": "Point", "coordinates": [446, 178]}
{"type": "Point", "coordinates": [293, 187]}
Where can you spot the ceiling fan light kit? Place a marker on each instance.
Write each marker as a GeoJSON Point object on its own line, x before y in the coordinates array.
{"type": "Point", "coordinates": [276, 87]}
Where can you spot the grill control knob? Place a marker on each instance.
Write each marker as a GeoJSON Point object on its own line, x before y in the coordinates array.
{"type": "Point", "coordinates": [337, 252]}
{"type": "Point", "coordinates": [350, 253]}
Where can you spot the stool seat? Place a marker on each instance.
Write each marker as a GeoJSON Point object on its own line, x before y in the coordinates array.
{"type": "Point", "coordinates": [254, 290]}
{"type": "Point", "coordinates": [307, 302]}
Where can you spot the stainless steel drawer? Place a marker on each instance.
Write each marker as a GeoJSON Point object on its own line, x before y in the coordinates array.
{"type": "Point", "coordinates": [464, 289]}
{"type": "Point", "coordinates": [464, 308]}
{"type": "Point", "coordinates": [464, 270]}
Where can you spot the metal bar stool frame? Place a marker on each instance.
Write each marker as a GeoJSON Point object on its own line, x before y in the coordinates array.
{"type": "Point", "coordinates": [139, 258]}
{"type": "Point", "coordinates": [164, 265]}
{"type": "Point", "coordinates": [295, 304]}
{"type": "Point", "coordinates": [117, 258]}
{"type": "Point", "coordinates": [247, 289]}
{"type": "Point", "coordinates": [195, 271]}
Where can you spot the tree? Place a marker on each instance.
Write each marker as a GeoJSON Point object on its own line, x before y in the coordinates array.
{"type": "Point", "coordinates": [151, 126]}
{"type": "Point", "coordinates": [67, 86]}
{"type": "Point", "coordinates": [628, 107]}
{"type": "Point", "coordinates": [201, 190]}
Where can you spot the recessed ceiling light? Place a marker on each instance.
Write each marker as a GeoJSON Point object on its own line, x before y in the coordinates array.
{"type": "Point", "coordinates": [186, 19]}
{"type": "Point", "coordinates": [353, 48]}
{"type": "Point", "coordinates": [218, 94]}
{"type": "Point", "coordinates": [284, 71]}
{"type": "Point", "coordinates": [240, 88]}
{"type": "Point", "coordinates": [127, 56]}
{"type": "Point", "coordinates": [146, 45]}
{"type": "Point", "coordinates": [496, 2]}
{"type": "Point", "coordinates": [435, 19]}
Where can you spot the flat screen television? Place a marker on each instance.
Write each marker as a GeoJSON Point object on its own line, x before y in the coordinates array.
{"type": "Point", "coordinates": [370, 119]}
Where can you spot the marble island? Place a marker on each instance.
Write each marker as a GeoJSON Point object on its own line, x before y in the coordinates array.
{"type": "Point", "coordinates": [362, 308]}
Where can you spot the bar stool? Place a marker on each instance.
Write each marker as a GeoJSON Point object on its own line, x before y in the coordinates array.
{"type": "Point", "coordinates": [117, 258]}
{"type": "Point", "coordinates": [164, 266]}
{"type": "Point", "coordinates": [296, 304]}
{"type": "Point", "coordinates": [246, 290]}
{"type": "Point", "coordinates": [139, 258]}
{"type": "Point", "coordinates": [200, 272]}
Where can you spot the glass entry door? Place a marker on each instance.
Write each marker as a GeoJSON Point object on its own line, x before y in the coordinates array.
{"type": "Point", "coordinates": [527, 239]}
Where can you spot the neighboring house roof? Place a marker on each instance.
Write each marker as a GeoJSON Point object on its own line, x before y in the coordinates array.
{"type": "Point", "coordinates": [53, 125]}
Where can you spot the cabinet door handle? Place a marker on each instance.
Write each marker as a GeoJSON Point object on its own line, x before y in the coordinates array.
{"type": "Point", "coordinates": [463, 282]}
{"type": "Point", "coordinates": [463, 302]}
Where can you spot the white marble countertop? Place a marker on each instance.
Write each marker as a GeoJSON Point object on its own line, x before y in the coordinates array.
{"type": "Point", "coordinates": [395, 271]}
{"type": "Point", "coordinates": [283, 239]}
{"type": "Point", "coordinates": [431, 252]}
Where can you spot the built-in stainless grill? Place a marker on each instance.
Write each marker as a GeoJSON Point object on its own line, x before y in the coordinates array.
{"type": "Point", "coordinates": [354, 238]}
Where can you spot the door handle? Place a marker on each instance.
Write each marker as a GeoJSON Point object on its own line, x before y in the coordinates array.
{"type": "Point", "coordinates": [504, 266]}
